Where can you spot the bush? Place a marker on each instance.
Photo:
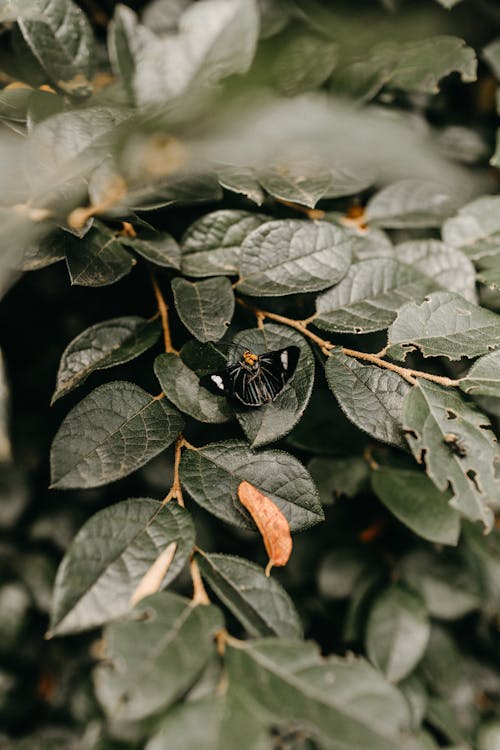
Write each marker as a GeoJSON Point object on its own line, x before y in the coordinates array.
{"type": "Point", "coordinates": [289, 186]}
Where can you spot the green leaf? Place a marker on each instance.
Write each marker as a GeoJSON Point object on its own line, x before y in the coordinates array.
{"type": "Point", "coordinates": [483, 378]}
{"type": "Point", "coordinates": [258, 601]}
{"type": "Point", "coordinates": [182, 387]}
{"type": "Point", "coordinates": [450, 268]}
{"type": "Point", "coordinates": [61, 38]}
{"type": "Point", "coordinates": [302, 62]}
{"type": "Point", "coordinates": [340, 570]}
{"type": "Point", "coordinates": [212, 474]}
{"type": "Point", "coordinates": [409, 203]}
{"type": "Point", "coordinates": [444, 325]}
{"type": "Point", "coordinates": [346, 703]}
{"type": "Point", "coordinates": [211, 246]}
{"type": "Point", "coordinates": [241, 180]}
{"type": "Point", "coordinates": [272, 421]}
{"type": "Point", "coordinates": [205, 307]}
{"type": "Point", "coordinates": [450, 589]}
{"type": "Point", "coordinates": [369, 296]}
{"type": "Point", "coordinates": [98, 259]}
{"type": "Point", "coordinates": [48, 250]}
{"type": "Point", "coordinates": [158, 247]}
{"type": "Point", "coordinates": [215, 39]}
{"type": "Point", "coordinates": [115, 430]}
{"type": "Point", "coordinates": [371, 397]}
{"type": "Point", "coordinates": [455, 442]}
{"type": "Point", "coordinates": [109, 557]}
{"type": "Point", "coordinates": [416, 502]}
{"type": "Point", "coordinates": [212, 723]}
{"type": "Point", "coordinates": [103, 345]}
{"type": "Point", "coordinates": [153, 657]}
{"type": "Point", "coordinates": [297, 180]}
{"type": "Point", "coordinates": [334, 477]}
{"type": "Point", "coordinates": [288, 256]}
{"type": "Point", "coordinates": [476, 228]}
{"type": "Point", "coordinates": [398, 630]}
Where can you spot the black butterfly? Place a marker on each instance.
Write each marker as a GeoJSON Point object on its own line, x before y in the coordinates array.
{"type": "Point", "coordinates": [256, 379]}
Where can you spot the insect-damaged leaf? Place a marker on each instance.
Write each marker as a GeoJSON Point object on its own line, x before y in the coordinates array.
{"type": "Point", "coordinates": [345, 702]}
{"type": "Point", "coordinates": [271, 523]}
{"type": "Point", "coordinates": [211, 246]}
{"type": "Point", "coordinates": [284, 257]}
{"type": "Point", "coordinates": [116, 429]}
{"type": "Point", "coordinates": [182, 387]}
{"type": "Point", "coordinates": [456, 443]}
{"type": "Point", "coordinates": [155, 656]}
{"type": "Point", "coordinates": [103, 345]}
{"type": "Point", "coordinates": [444, 325]}
{"type": "Point", "coordinates": [271, 421]}
{"type": "Point", "coordinates": [371, 397]}
{"type": "Point", "coordinates": [109, 558]}
{"type": "Point", "coordinates": [483, 378]}
{"type": "Point", "coordinates": [259, 602]}
{"type": "Point", "coordinates": [212, 474]}
{"type": "Point", "coordinates": [205, 307]}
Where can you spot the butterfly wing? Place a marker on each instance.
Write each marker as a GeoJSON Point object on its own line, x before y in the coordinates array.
{"type": "Point", "coordinates": [276, 369]}
{"type": "Point", "coordinates": [221, 383]}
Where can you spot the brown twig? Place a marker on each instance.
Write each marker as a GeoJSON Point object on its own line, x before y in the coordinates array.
{"type": "Point", "coordinates": [200, 595]}
{"type": "Point", "coordinates": [163, 310]}
{"type": "Point", "coordinates": [175, 490]}
{"type": "Point", "coordinates": [326, 347]}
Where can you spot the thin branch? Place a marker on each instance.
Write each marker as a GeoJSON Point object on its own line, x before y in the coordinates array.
{"type": "Point", "coordinates": [200, 595]}
{"type": "Point", "coordinates": [175, 490]}
{"type": "Point", "coordinates": [163, 310]}
{"type": "Point", "coordinates": [326, 347]}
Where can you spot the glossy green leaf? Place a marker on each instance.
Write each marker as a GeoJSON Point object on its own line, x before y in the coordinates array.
{"type": "Point", "coordinates": [409, 203]}
{"type": "Point", "coordinates": [416, 502]}
{"type": "Point", "coordinates": [346, 703]}
{"type": "Point", "coordinates": [182, 387]}
{"type": "Point", "coordinates": [61, 39]}
{"type": "Point", "coordinates": [444, 325]}
{"type": "Point", "coordinates": [272, 421]}
{"type": "Point", "coordinates": [212, 245]}
{"type": "Point", "coordinates": [284, 257]}
{"type": "Point", "coordinates": [116, 429]}
{"type": "Point", "coordinates": [483, 378]}
{"type": "Point", "coordinates": [369, 296]}
{"type": "Point", "coordinates": [398, 629]}
{"type": "Point", "coordinates": [455, 442]}
{"type": "Point", "coordinates": [205, 307]}
{"type": "Point", "coordinates": [103, 345]}
{"type": "Point", "coordinates": [334, 477]}
{"type": "Point", "coordinates": [155, 655]}
{"type": "Point", "coordinates": [109, 557]}
{"type": "Point", "coordinates": [258, 601]}
{"type": "Point", "coordinates": [98, 259]}
{"type": "Point", "coordinates": [371, 397]}
{"type": "Point", "coordinates": [211, 474]}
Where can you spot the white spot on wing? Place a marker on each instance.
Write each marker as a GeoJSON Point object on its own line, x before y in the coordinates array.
{"type": "Point", "coordinates": [284, 359]}
{"type": "Point", "coordinates": [218, 381]}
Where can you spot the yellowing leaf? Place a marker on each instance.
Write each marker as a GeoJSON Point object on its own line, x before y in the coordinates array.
{"type": "Point", "coordinates": [271, 523]}
{"type": "Point", "coordinates": [151, 581]}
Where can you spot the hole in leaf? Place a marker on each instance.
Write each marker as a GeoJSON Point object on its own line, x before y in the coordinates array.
{"type": "Point", "coordinates": [450, 414]}
{"type": "Point", "coordinates": [472, 475]}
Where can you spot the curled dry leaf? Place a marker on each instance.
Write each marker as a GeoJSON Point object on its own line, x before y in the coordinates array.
{"type": "Point", "coordinates": [151, 581]}
{"type": "Point", "coordinates": [271, 523]}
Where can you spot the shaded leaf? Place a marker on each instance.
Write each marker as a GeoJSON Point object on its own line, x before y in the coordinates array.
{"type": "Point", "coordinates": [340, 571]}
{"type": "Point", "coordinates": [409, 203]}
{"type": "Point", "coordinates": [334, 477]}
{"type": "Point", "coordinates": [211, 245]}
{"type": "Point", "coordinates": [182, 387]}
{"type": "Point", "coordinates": [476, 228]}
{"type": "Point", "coordinates": [491, 53]}
{"type": "Point", "coordinates": [371, 397]}
{"type": "Point", "coordinates": [303, 181]}
{"type": "Point", "coordinates": [455, 442]}
{"type": "Point", "coordinates": [398, 629]}
{"type": "Point", "coordinates": [61, 39]}
{"type": "Point", "coordinates": [259, 602]}
{"type": "Point", "coordinates": [416, 502]}
{"type": "Point", "coordinates": [205, 307]}
{"type": "Point", "coordinates": [302, 62]}
{"type": "Point", "coordinates": [212, 474]}
{"type": "Point", "coordinates": [98, 259]}
{"type": "Point", "coordinates": [483, 378]}
{"type": "Point", "coordinates": [44, 253]}
{"type": "Point", "coordinates": [116, 429]}
{"type": "Point", "coordinates": [241, 180]}
{"type": "Point", "coordinates": [444, 325]}
{"type": "Point", "coordinates": [270, 521]}
{"type": "Point", "coordinates": [283, 257]}
{"type": "Point", "coordinates": [270, 422]}
{"type": "Point", "coordinates": [346, 703]}
{"type": "Point", "coordinates": [110, 556]}
{"type": "Point", "coordinates": [166, 641]}
{"type": "Point", "coordinates": [369, 296]}
{"type": "Point", "coordinates": [103, 345]}
{"type": "Point", "coordinates": [158, 247]}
